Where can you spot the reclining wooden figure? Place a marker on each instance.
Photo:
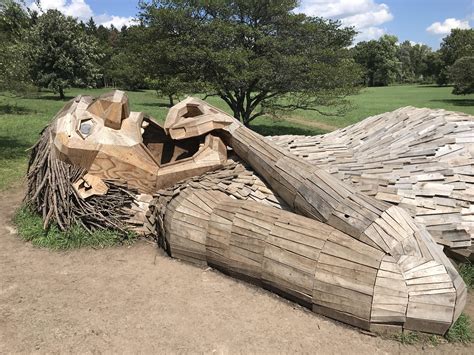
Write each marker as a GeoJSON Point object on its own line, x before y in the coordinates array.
{"type": "Point", "coordinates": [339, 252]}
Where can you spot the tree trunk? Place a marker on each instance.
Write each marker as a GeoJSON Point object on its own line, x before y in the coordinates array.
{"type": "Point", "coordinates": [242, 115]}
{"type": "Point", "coordinates": [236, 114]}
{"type": "Point", "coordinates": [170, 97]}
{"type": "Point", "coordinates": [61, 93]}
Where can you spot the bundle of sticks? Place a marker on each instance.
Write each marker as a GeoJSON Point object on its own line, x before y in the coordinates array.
{"type": "Point", "coordinates": [51, 194]}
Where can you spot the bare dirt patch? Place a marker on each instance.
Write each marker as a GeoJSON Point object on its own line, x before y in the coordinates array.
{"type": "Point", "coordinates": [136, 299]}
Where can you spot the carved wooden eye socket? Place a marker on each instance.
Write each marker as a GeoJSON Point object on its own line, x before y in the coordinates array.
{"type": "Point", "coordinates": [192, 111]}
{"type": "Point", "coordinates": [85, 128]}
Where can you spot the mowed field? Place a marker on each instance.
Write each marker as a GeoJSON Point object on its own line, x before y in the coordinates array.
{"type": "Point", "coordinates": [22, 119]}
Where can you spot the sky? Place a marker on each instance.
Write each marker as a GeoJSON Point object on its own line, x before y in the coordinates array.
{"type": "Point", "coordinates": [419, 21]}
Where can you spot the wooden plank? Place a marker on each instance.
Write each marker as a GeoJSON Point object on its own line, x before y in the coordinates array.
{"type": "Point", "coordinates": [366, 278]}
{"type": "Point", "coordinates": [432, 312]}
{"type": "Point", "coordinates": [342, 252]}
{"type": "Point", "coordinates": [315, 241]}
{"type": "Point", "coordinates": [288, 279]}
{"type": "Point", "coordinates": [342, 316]}
{"type": "Point", "coordinates": [355, 245]}
{"type": "Point", "coordinates": [309, 252]}
{"type": "Point", "coordinates": [338, 282]}
{"type": "Point", "coordinates": [342, 304]}
{"type": "Point", "coordinates": [349, 264]}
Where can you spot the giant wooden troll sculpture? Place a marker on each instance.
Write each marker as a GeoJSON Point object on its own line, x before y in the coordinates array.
{"type": "Point", "coordinates": [215, 193]}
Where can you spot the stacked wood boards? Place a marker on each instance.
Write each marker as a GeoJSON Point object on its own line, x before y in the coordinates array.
{"type": "Point", "coordinates": [310, 262]}
{"type": "Point", "coordinates": [419, 159]}
{"type": "Point", "coordinates": [235, 180]}
{"type": "Point", "coordinates": [360, 220]}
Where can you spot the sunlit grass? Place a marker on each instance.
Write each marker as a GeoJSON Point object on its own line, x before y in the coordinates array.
{"type": "Point", "coordinates": [30, 228]}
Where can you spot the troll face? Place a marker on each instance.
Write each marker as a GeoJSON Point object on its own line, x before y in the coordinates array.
{"type": "Point", "coordinates": [110, 142]}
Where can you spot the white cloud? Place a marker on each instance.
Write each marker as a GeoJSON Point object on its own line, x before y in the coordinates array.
{"type": "Point", "coordinates": [75, 8]}
{"type": "Point", "coordinates": [364, 15]}
{"type": "Point", "coordinates": [369, 33]}
{"type": "Point", "coordinates": [81, 10]}
{"type": "Point", "coordinates": [445, 27]}
{"type": "Point", "coordinates": [368, 19]}
{"type": "Point", "coordinates": [117, 21]}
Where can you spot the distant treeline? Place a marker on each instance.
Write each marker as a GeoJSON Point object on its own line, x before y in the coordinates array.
{"type": "Point", "coordinates": [258, 56]}
{"type": "Point", "coordinates": [386, 61]}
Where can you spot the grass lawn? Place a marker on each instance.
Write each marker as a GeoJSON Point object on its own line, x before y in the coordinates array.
{"type": "Point", "coordinates": [21, 119]}
{"type": "Point", "coordinates": [372, 101]}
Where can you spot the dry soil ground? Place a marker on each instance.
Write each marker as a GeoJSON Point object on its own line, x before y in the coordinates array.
{"type": "Point", "coordinates": [135, 299]}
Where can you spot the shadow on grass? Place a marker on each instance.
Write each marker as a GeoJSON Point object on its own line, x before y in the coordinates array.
{"type": "Point", "coordinates": [422, 86]}
{"type": "Point", "coordinates": [11, 148]}
{"type": "Point", "coordinates": [279, 130]}
{"type": "Point", "coordinates": [124, 89]}
{"type": "Point", "coordinates": [9, 109]}
{"type": "Point", "coordinates": [456, 102]}
{"type": "Point", "coordinates": [53, 98]}
{"type": "Point", "coordinates": [155, 104]}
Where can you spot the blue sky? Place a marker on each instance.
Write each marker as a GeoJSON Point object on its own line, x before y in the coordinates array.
{"type": "Point", "coordinates": [413, 17]}
{"type": "Point", "coordinates": [421, 21]}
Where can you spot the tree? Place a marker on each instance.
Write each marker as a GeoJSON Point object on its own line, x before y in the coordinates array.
{"type": "Point", "coordinates": [459, 43]}
{"type": "Point", "coordinates": [462, 75]}
{"type": "Point", "coordinates": [170, 85]}
{"type": "Point", "coordinates": [418, 55]}
{"type": "Point", "coordinates": [413, 64]}
{"type": "Point", "coordinates": [15, 20]}
{"type": "Point", "coordinates": [404, 55]}
{"type": "Point", "coordinates": [434, 68]}
{"type": "Point", "coordinates": [126, 72]}
{"type": "Point", "coordinates": [91, 27]}
{"type": "Point", "coordinates": [126, 67]}
{"type": "Point", "coordinates": [107, 39]}
{"type": "Point", "coordinates": [379, 59]}
{"type": "Point", "coordinates": [258, 56]}
{"type": "Point", "coordinates": [61, 53]}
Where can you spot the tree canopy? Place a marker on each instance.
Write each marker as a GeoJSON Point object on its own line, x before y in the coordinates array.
{"type": "Point", "coordinates": [61, 54]}
{"type": "Point", "coordinates": [258, 56]}
{"type": "Point", "coordinates": [14, 22]}
{"type": "Point", "coordinates": [379, 59]}
{"type": "Point", "coordinates": [462, 75]}
{"type": "Point", "coordinates": [459, 43]}
{"type": "Point", "coordinates": [413, 66]}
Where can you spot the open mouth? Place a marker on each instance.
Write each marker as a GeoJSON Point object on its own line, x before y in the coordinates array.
{"type": "Point", "coordinates": [164, 149]}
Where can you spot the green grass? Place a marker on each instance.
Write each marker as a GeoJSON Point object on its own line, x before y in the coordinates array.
{"type": "Point", "coordinates": [30, 228]}
{"type": "Point", "coordinates": [372, 101]}
{"type": "Point", "coordinates": [466, 270]}
{"type": "Point", "coordinates": [407, 337]}
{"type": "Point", "coordinates": [461, 331]}
{"type": "Point", "coordinates": [435, 340]}
{"type": "Point", "coordinates": [21, 119]}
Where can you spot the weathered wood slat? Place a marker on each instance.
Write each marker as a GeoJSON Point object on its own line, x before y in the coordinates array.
{"type": "Point", "coordinates": [411, 153]}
